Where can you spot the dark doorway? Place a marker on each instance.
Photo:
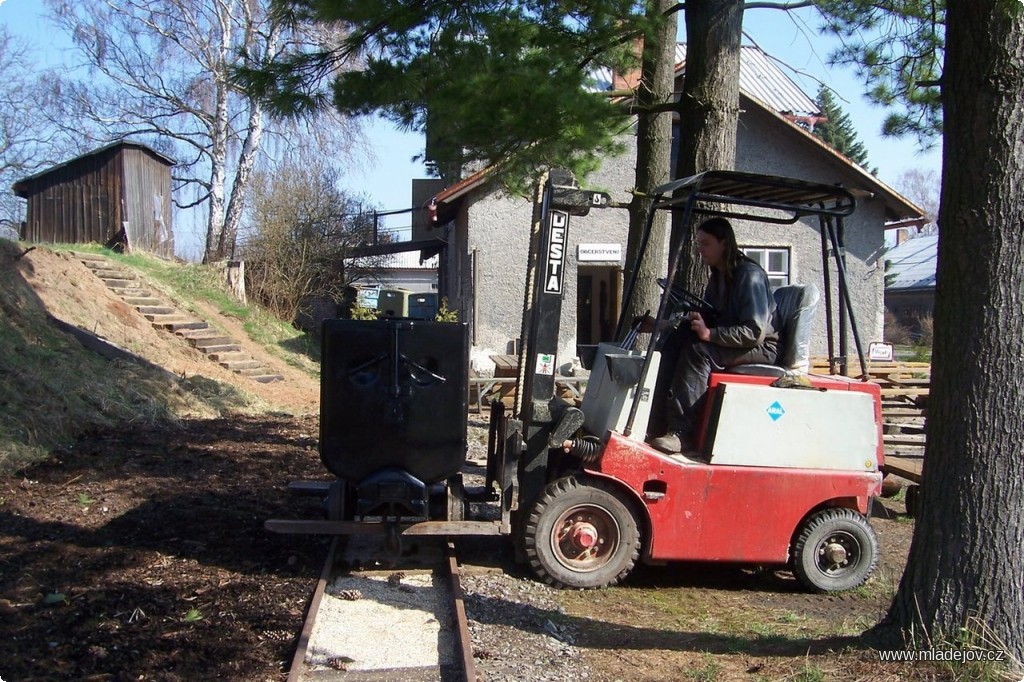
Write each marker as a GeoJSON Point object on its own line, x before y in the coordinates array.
{"type": "Point", "coordinates": [598, 298]}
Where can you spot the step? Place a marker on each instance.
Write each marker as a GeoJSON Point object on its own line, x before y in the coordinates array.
{"type": "Point", "coordinates": [164, 319]}
{"type": "Point", "coordinates": [155, 309]}
{"type": "Point", "coordinates": [133, 291]}
{"type": "Point", "coordinates": [268, 378]}
{"type": "Point", "coordinates": [239, 365]}
{"type": "Point", "coordinates": [85, 256]}
{"type": "Point", "coordinates": [210, 341]}
{"type": "Point", "coordinates": [229, 356]}
{"type": "Point", "coordinates": [142, 300]}
{"type": "Point", "coordinates": [206, 332]}
{"type": "Point", "coordinates": [216, 351]}
{"type": "Point", "coordinates": [119, 284]}
{"type": "Point", "coordinates": [178, 326]}
{"type": "Point", "coordinates": [259, 370]}
{"type": "Point", "coordinates": [107, 270]}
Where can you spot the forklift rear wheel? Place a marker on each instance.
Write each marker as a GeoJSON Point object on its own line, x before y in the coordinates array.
{"type": "Point", "coordinates": [581, 534]}
{"type": "Point", "coordinates": [835, 550]}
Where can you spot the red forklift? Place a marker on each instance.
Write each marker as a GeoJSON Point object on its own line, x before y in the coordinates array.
{"type": "Point", "coordinates": [788, 462]}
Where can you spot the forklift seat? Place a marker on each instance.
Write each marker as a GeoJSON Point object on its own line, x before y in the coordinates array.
{"type": "Point", "coordinates": [794, 313]}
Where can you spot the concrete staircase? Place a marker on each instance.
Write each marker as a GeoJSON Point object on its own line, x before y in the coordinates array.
{"type": "Point", "coordinates": [218, 347]}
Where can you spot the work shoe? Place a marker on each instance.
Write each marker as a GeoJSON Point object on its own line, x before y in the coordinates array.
{"type": "Point", "coordinates": [670, 444]}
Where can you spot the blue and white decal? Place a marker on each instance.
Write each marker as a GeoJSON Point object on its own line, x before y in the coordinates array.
{"type": "Point", "coordinates": [776, 411]}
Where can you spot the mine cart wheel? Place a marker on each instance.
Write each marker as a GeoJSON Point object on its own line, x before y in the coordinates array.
{"type": "Point", "coordinates": [836, 549]}
{"type": "Point", "coordinates": [581, 534]}
{"type": "Point", "coordinates": [456, 498]}
{"type": "Point", "coordinates": [340, 504]}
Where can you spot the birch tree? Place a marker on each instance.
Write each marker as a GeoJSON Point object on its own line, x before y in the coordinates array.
{"type": "Point", "coordinates": [159, 71]}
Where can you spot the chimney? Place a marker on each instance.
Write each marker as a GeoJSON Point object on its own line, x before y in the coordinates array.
{"type": "Point", "coordinates": [631, 80]}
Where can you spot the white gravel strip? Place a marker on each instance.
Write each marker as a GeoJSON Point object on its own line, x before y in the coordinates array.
{"type": "Point", "coordinates": [381, 622]}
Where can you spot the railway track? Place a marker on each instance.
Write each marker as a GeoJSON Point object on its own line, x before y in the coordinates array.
{"type": "Point", "coordinates": [377, 617]}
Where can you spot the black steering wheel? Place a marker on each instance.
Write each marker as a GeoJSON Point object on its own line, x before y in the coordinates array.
{"type": "Point", "coordinates": [687, 301]}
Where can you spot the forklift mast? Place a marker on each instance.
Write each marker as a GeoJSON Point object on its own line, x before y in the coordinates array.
{"type": "Point", "coordinates": [559, 198]}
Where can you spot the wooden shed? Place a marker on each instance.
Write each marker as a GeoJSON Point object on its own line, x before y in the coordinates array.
{"type": "Point", "coordinates": [117, 194]}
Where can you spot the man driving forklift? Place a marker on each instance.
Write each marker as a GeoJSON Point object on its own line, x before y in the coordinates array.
{"type": "Point", "coordinates": [736, 330]}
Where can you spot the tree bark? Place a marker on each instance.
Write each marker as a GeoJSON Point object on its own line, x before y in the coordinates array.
{"type": "Point", "coordinates": [964, 569]}
{"type": "Point", "coordinates": [240, 187]}
{"type": "Point", "coordinates": [653, 154]}
{"type": "Point", "coordinates": [708, 107]}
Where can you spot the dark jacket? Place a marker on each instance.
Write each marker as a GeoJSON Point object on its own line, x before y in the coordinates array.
{"type": "Point", "coordinates": [745, 307]}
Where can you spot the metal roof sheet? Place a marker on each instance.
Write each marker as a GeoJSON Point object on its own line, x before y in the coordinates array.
{"type": "Point", "coordinates": [912, 263]}
{"type": "Point", "coordinates": [760, 77]}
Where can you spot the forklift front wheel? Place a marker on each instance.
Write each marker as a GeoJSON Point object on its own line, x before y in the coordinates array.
{"type": "Point", "coordinates": [835, 550]}
{"type": "Point", "coordinates": [581, 534]}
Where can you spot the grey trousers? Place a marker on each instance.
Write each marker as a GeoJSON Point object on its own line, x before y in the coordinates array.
{"type": "Point", "coordinates": [686, 366]}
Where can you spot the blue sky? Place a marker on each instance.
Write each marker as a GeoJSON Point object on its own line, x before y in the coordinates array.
{"type": "Point", "coordinates": [789, 37]}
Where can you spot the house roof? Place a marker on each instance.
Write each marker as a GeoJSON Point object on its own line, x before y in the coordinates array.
{"type": "Point", "coordinates": [899, 211]}
{"type": "Point", "coordinates": [22, 185]}
{"type": "Point", "coordinates": [760, 77]}
{"type": "Point", "coordinates": [911, 265]}
{"type": "Point", "coordinates": [762, 83]}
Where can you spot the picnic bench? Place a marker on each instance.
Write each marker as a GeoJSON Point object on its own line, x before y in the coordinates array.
{"type": "Point", "coordinates": [502, 385]}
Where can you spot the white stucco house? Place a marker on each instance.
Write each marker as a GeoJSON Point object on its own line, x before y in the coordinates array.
{"type": "Point", "coordinates": [486, 234]}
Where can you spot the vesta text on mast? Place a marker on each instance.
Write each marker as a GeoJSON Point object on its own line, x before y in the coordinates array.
{"type": "Point", "coordinates": [554, 270]}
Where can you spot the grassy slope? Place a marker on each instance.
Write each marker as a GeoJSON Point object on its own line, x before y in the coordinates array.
{"type": "Point", "coordinates": [52, 389]}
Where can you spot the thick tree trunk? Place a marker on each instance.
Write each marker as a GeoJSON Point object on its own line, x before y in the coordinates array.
{"type": "Point", "coordinates": [653, 155]}
{"type": "Point", "coordinates": [964, 568]}
{"type": "Point", "coordinates": [709, 105]}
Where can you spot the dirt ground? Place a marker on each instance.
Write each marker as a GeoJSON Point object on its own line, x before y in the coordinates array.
{"type": "Point", "coordinates": [139, 553]}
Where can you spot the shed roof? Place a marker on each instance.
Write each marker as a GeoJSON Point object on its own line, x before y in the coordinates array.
{"type": "Point", "coordinates": [912, 263]}
{"type": "Point", "coordinates": [22, 186]}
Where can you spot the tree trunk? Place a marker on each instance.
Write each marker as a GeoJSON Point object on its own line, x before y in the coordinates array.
{"type": "Point", "coordinates": [240, 187]}
{"type": "Point", "coordinates": [218, 173]}
{"type": "Point", "coordinates": [964, 567]}
{"type": "Point", "coordinates": [250, 148]}
{"type": "Point", "coordinates": [220, 127]}
{"type": "Point", "coordinates": [653, 155]}
{"type": "Point", "coordinates": [708, 107]}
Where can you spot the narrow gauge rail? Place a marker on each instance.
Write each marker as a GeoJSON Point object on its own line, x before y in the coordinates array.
{"type": "Point", "coordinates": [359, 620]}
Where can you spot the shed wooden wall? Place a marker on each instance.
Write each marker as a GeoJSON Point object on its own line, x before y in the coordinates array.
{"type": "Point", "coordinates": [76, 203]}
{"type": "Point", "coordinates": [91, 198]}
{"type": "Point", "coordinates": [147, 202]}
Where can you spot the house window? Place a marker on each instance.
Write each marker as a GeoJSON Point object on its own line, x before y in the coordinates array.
{"type": "Point", "coordinates": [774, 261]}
